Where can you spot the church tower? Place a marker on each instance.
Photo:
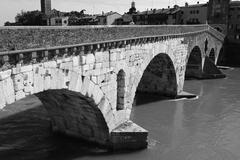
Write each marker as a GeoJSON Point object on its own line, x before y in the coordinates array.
{"type": "Point", "coordinates": [46, 7]}
{"type": "Point", "coordinates": [218, 14]}
{"type": "Point", "coordinates": [132, 10]}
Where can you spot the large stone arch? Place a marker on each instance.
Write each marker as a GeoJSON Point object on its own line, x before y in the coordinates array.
{"type": "Point", "coordinates": [167, 72]}
{"type": "Point", "coordinates": [159, 76]}
{"type": "Point", "coordinates": [76, 104]}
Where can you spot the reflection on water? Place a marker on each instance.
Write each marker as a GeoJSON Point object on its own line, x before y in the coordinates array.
{"type": "Point", "coordinates": [206, 128]}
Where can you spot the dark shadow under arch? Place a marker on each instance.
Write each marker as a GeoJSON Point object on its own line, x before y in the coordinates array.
{"type": "Point", "coordinates": [159, 78]}
{"type": "Point", "coordinates": [221, 57]}
{"type": "Point", "coordinates": [194, 64]}
{"type": "Point", "coordinates": [120, 89]}
{"type": "Point", "coordinates": [212, 55]}
{"type": "Point", "coordinates": [75, 115]}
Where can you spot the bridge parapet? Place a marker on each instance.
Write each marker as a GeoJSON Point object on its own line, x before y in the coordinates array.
{"type": "Point", "coordinates": [24, 45]}
{"type": "Point", "coordinates": [216, 33]}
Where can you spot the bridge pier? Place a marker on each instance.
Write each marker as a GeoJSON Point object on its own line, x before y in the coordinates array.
{"type": "Point", "coordinates": [128, 136]}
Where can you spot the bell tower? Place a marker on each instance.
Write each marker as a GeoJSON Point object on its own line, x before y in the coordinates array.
{"type": "Point", "coordinates": [46, 7]}
{"type": "Point", "coordinates": [132, 10]}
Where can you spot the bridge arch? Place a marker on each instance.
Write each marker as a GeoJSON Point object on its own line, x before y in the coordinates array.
{"type": "Point", "coordinates": [158, 77]}
{"type": "Point", "coordinates": [76, 105]}
{"type": "Point", "coordinates": [194, 63]}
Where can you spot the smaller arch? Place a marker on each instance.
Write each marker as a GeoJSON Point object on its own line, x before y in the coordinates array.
{"type": "Point", "coordinates": [159, 77]}
{"type": "Point", "coordinates": [212, 55]}
{"type": "Point", "coordinates": [120, 90]}
{"type": "Point", "coordinates": [194, 64]}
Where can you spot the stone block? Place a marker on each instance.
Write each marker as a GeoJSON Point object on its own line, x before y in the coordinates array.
{"type": "Point", "coordinates": [47, 83]}
{"type": "Point", "coordinates": [54, 77]}
{"type": "Point", "coordinates": [113, 64]}
{"type": "Point", "coordinates": [113, 57]}
{"type": "Point", "coordinates": [18, 82]}
{"type": "Point", "coordinates": [19, 95]}
{"type": "Point", "coordinates": [38, 83]}
{"type": "Point", "coordinates": [8, 90]}
{"type": "Point", "coordinates": [2, 97]}
{"type": "Point", "coordinates": [67, 59]}
{"type": "Point", "coordinates": [26, 68]}
{"type": "Point", "coordinates": [90, 59]}
{"type": "Point", "coordinates": [94, 79]}
{"type": "Point", "coordinates": [75, 83]}
{"type": "Point", "coordinates": [76, 61]}
{"type": "Point", "coordinates": [103, 106]}
{"type": "Point", "coordinates": [85, 85]}
{"type": "Point", "coordinates": [97, 94]}
{"type": "Point", "coordinates": [17, 69]}
{"type": "Point", "coordinates": [66, 66]}
{"type": "Point", "coordinates": [85, 67]}
{"type": "Point", "coordinates": [98, 65]}
{"type": "Point", "coordinates": [106, 65]}
{"type": "Point", "coordinates": [5, 74]}
{"type": "Point", "coordinates": [28, 78]}
{"type": "Point", "coordinates": [99, 57]}
{"type": "Point", "coordinates": [90, 88]}
{"type": "Point", "coordinates": [106, 55]}
{"type": "Point", "coordinates": [82, 59]}
{"type": "Point", "coordinates": [61, 83]}
{"type": "Point", "coordinates": [50, 64]}
{"type": "Point", "coordinates": [91, 66]}
{"type": "Point", "coordinates": [28, 89]}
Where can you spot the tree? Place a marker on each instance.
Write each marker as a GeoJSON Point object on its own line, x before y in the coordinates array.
{"type": "Point", "coordinates": [30, 18]}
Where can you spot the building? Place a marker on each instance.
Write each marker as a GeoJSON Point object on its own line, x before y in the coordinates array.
{"type": "Point", "coordinates": [174, 15]}
{"type": "Point", "coordinates": [126, 19]}
{"type": "Point", "coordinates": [234, 22]}
{"type": "Point", "coordinates": [46, 7]}
{"type": "Point", "coordinates": [108, 18]}
{"type": "Point", "coordinates": [194, 14]}
{"type": "Point", "coordinates": [218, 11]}
{"type": "Point", "coordinates": [59, 21]}
{"type": "Point", "coordinates": [158, 16]}
{"type": "Point", "coordinates": [85, 20]}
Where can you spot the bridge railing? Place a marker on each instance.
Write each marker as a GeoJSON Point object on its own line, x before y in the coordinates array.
{"type": "Point", "coordinates": [216, 33]}
{"type": "Point", "coordinates": [24, 45]}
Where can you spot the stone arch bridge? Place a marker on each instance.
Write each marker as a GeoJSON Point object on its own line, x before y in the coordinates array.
{"type": "Point", "coordinates": [87, 77]}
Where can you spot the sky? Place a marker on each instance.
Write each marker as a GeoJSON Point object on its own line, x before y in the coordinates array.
{"type": "Point", "coordinates": [10, 8]}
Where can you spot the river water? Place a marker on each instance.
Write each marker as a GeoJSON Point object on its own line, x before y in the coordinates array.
{"type": "Point", "coordinates": [206, 128]}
